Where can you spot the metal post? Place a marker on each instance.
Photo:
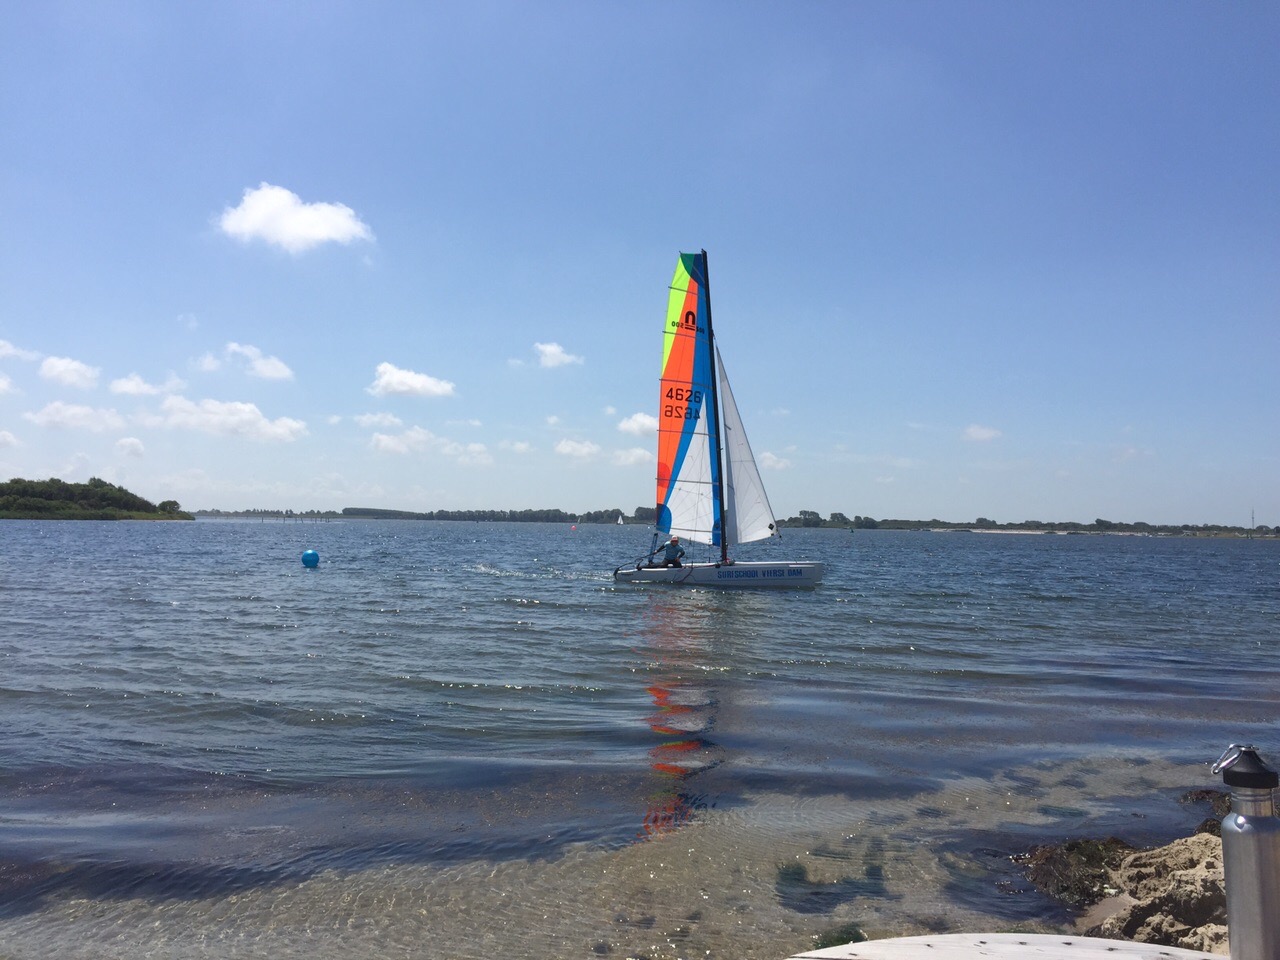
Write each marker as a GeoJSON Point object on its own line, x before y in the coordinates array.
{"type": "Point", "coordinates": [1251, 855]}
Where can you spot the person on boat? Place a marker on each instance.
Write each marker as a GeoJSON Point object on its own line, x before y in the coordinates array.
{"type": "Point", "coordinates": [672, 552]}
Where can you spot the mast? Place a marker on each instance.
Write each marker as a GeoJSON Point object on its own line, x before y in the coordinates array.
{"type": "Point", "coordinates": [714, 407]}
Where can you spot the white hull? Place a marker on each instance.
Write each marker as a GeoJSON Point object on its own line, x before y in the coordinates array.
{"type": "Point", "coordinates": [779, 574]}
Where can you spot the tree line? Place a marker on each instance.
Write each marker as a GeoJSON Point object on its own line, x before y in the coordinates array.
{"type": "Point", "coordinates": [273, 513]}
{"type": "Point", "coordinates": [510, 516]}
{"type": "Point", "coordinates": [55, 499]}
{"type": "Point", "coordinates": [811, 518]}
{"type": "Point", "coordinates": [805, 518]}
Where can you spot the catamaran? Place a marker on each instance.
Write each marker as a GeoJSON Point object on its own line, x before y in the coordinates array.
{"type": "Point", "coordinates": [709, 488]}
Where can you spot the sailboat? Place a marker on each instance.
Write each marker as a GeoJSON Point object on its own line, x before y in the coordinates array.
{"type": "Point", "coordinates": [709, 488]}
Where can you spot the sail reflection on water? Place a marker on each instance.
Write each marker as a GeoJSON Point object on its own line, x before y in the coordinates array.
{"type": "Point", "coordinates": [684, 714]}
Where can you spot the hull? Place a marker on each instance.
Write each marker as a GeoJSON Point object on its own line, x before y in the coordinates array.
{"type": "Point", "coordinates": [764, 574]}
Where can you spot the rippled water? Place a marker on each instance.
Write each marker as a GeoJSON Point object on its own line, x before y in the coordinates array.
{"type": "Point", "coordinates": [454, 740]}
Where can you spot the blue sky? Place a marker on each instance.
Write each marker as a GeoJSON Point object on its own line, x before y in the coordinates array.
{"type": "Point", "coordinates": [1013, 260]}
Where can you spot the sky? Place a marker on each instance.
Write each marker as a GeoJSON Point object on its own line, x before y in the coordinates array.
{"type": "Point", "coordinates": [968, 259]}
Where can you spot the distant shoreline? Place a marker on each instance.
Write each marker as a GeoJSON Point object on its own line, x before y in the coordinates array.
{"type": "Point", "coordinates": [1241, 534]}
{"type": "Point", "coordinates": [55, 499]}
{"type": "Point", "coordinates": [837, 522]}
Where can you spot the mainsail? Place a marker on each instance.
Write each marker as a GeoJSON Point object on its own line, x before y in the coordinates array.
{"type": "Point", "coordinates": [688, 458]}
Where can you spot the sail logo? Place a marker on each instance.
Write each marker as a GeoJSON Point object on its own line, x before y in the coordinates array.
{"type": "Point", "coordinates": [688, 323]}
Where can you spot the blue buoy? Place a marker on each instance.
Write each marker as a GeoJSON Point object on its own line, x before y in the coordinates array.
{"type": "Point", "coordinates": [310, 559]}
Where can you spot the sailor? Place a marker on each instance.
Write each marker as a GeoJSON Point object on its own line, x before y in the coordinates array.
{"type": "Point", "coordinates": [672, 552]}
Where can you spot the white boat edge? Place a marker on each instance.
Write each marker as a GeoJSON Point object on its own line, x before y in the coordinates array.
{"type": "Point", "coordinates": [776, 574]}
{"type": "Point", "coordinates": [1009, 946]}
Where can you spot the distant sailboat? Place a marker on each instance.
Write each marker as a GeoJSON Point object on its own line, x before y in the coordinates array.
{"type": "Point", "coordinates": [709, 489]}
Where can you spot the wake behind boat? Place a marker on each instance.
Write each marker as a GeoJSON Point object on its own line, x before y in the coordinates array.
{"type": "Point", "coordinates": [709, 488]}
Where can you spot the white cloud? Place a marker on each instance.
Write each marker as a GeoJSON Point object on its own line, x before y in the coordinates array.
{"type": "Point", "coordinates": [265, 368]}
{"type": "Point", "coordinates": [418, 440]}
{"type": "Point", "coordinates": [130, 446]}
{"type": "Point", "coordinates": [553, 355]}
{"type": "Point", "coordinates": [981, 434]}
{"type": "Point", "coordinates": [134, 385]}
{"type": "Point", "coordinates": [469, 453]}
{"type": "Point", "coordinates": [7, 349]}
{"type": "Point", "coordinates": [609, 411]}
{"type": "Point", "coordinates": [76, 417]}
{"type": "Point", "coordinates": [390, 379]}
{"type": "Point", "coordinates": [7, 439]}
{"type": "Point", "coordinates": [6, 385]}
{"type": "Point", "coordinates": [378, 420]}
{"type": "Point", "coordinates": [69, 373]}
{"type": "Point", "coordinates": [639, 424]}
{"type": "Point", "coordinates": [631, 457]}
{"type": "Point", "coordinates": [579, 449]}
{"type": "Point", "coordinates": [553, 421]}
{"type": "Point", "coordinates": [516, 446]}
{"type": "Point", "coordinates": [773, 462]}
{"type": "Point", "coordinates": [208, 363]}
{"type": "Point", "coordinates": [229, 419]}
{"type": "Point", "coordinates": [415, 438]}
{"type": "Point", "coordinates": [278, 216]}
{"type": "Point", "coordinates": [188, 320]}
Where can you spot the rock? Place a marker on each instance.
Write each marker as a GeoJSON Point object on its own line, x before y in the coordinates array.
{"type": "Point", "coordinates": [1077, 872]}
{"type": "Point", "coordinates": [1172, 896]}
{"type": "Point", "coordinates": [1175, 896]}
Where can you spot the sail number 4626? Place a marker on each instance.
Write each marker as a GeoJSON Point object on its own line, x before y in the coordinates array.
{"type": "Point", "coordinates": [683, 394]}
{"type": "Point", "coordinates": [686, 405]}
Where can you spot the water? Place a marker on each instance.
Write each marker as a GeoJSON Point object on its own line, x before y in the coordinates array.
{"type": "Point", "coordinates": [461, 740]}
